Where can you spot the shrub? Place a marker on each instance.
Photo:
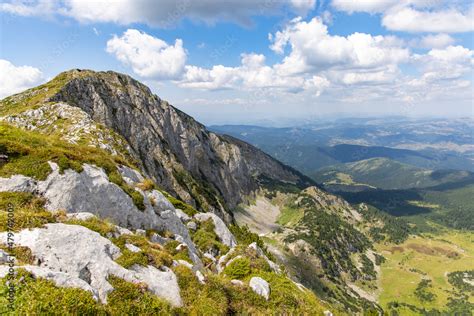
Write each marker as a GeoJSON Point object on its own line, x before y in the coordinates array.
{"type": "Point", "coordinates": [37, 296]}
{"type": "Point", "coordinates": [134, 299]}
{"type": "Point", "coordinates": [238, 269]}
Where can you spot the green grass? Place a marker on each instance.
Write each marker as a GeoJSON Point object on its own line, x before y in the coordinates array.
{"type": "Point", "coordinates": [150, 254]}
{"type": "Point", "coordinates": [206, 239]}
{"type": "Point", "coordinates": [28, 211]}
{"type": "Point", "coordinates": [290, 216]}
{"type": "Point", "coordinates": [37, 296]}
{"type": "Point", "coordinates": [29, 153]}
{"type": "Point", "coordinates": [419, 258]}
{"type": "Point", "coordinates": [103, 227]}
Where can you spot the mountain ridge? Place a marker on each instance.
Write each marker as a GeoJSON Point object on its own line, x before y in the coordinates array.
{"type": "Point", "coordinates": [202, 168]}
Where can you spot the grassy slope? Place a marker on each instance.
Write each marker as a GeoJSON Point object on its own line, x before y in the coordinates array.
{"type": "Point", "coordinates": [429, 257]}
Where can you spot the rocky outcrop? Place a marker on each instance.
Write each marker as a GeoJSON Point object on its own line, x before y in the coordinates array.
{"type": "Point", "coordinates": [91, 191]}
{"type": "Point", "coordinates": [206, 170]}
{"type": "Point", "coordinates": [220, 228]}
{"type": "Point", "coordinates": [74, 256]}
{"type": "Point", "coordinates": [260, 286]}
{"type": "Point", "coordinates": [261, 254]}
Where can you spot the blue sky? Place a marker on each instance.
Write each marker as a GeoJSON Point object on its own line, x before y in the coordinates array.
{"type": "Point", "coordinates": [248, 61]}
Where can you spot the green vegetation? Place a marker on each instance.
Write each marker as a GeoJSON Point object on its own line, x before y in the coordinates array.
{"type": "Point", "coordinates": [245, 237]}
{"type": "Point", "coordinates": [238, 268]}
{"type": "Point", "coordinates": [36, 296]}
{"type": "Point", "coordinates": [29, 211]}
{"type": "Point", "coordinates": [462, 280]}
{"type": "Point", "coordinates": [102, 227]}
{"type": "Point", "coordinates": [443, 258]}
{"type": "Point", "coordinates": [220, 297]}
{"type": "Point", "coordinates": [22, 254]}
{"type": "Point", "coordinates": [387, 174]}
{"type": "Point", "coordinates": [134, 299]}
{"type": "Point", "coordinates": [206, 239]}
{"type": "Point", "coordinates": [150, 254]}
{"type": "Point", "coordinates": [186, 208]}
{"type": "Point", "coordinates": [422, 291]}
{"type": "Point", "coordinates": [28, 154]}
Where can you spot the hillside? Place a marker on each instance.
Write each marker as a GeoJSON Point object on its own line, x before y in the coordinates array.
{"type": "Point", "coordinates": [385, 173]}
{"type": "Point", "coordinates": [90, 230]}
{"type": "Point", "coordinates": [200, 167]}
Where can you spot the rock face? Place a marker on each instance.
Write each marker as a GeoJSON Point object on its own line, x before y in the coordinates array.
{"type": "Point", "coordinates": [74, 256]}
{"type": "Point", "coordinates": [180, 154]}
{"type": "Point", "coordinates": [220, 228]}
{"type": "Point", "coordinates": [260, 286]}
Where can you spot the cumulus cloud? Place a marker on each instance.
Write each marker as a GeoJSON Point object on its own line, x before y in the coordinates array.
{"type": "Point", "coordinates": [435, 41]}
{"type": "Point", "coordinates": [14, 79]}
{"type": "Point", "coordinates": [434, 16]}
{"type": "Point", "coordinates": [149, 57]}
{"type": "Point", "coordinates": [313, 49]}
{"type": "Point", "coordinates": [411, 20]}
{"type": "Point", "coordinates": [164, 13]}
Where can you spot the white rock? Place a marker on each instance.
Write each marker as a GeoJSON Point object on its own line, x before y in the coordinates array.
{"type": "Point", "coordinates": [82, 216]}
{"type": "Point", "coordinates": [200, 277]}
{"type": "Point", "coordinates": [91, 191]}
{"type": "Point", "coordinates": [182, 215]}
{"type": "Point", "coordinates": [232, 260]}
{"type": "Point", "coordinates": [122, 231]}
{"type": "Point", "coordinates": [181, 247]}
{"type": "Point", "coordinates": [210, 256]}
{"type": "Point", "coordinates": [260, 253]}
{"type": "Point", "coordinates": [184, 263]}
{"type": "Point", "coordinates": [17, 183]}
{"type": "Point", "coordinates": [260, 286]}
{"type": "Point", "coordinates": [129, 175]}
{"type": "Point", "coordinates": [84, 254]}
{"type": "Point", "coordinates": [140, 232]}
{"type": "Point", "coordinates": [60, 279]}
{"type": "Point", "coordinates": [220, 263]}
{"type": "Point", "coordinates": [3, 257]}
{"type": "Point", "coordinates": [237, 282]}
{"type": "Point", "coordinates": [220, 228]}
{"type": "Point", "coordinates": [161, 202]}
{"type": "Point", "coordinates": [192, 226]}
{"type": "Point", "coordinates": [158, 239]}
{"type": "Point", "coordinates": [327, 313]}
{"type": "Point", "coordinates": [162, 283]}
{"type": "Point", "coordinates": [132, 248]}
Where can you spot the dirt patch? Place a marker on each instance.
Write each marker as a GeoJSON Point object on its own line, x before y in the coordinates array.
{"type": "Point", "coordinates": [433, 251]}
{"type": "Point", "coordinates": [395, 249]}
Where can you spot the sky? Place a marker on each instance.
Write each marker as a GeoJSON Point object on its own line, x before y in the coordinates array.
{"type": "Point", "coordinates": [254, 61]}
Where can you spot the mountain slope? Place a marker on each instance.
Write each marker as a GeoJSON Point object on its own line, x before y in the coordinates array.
{"type": "Point", "coordinates": [200, 167]}
{"type": "Point", "coordinates": [386, 174]}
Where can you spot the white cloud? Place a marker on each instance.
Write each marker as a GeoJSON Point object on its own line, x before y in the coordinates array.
{"type": "Point", "coordinates": [303, 6]}
{"type": "Point", "coordinates": [253, 73]}
{"type": "Point", "coordinates": [449, 63]}
{"type": "Point", "coordinates": [14, 79]}
{"type": "Point", "coordinates": [149, 57]}
{"type": "Point", "coordinates": [434, 16]}
{"type": "Point", "coordinates": [313, 48]}
{"type": "Point", "coordinates": [444, 21]}
{"type": "Point", "coordinates": [436, 41]}
{"type": "Point", "coordinates": [370, 6]}
{"type": "Point", "coordinates": [163, 13]}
